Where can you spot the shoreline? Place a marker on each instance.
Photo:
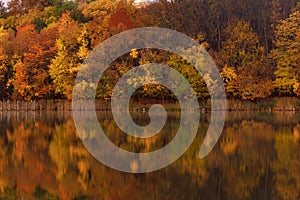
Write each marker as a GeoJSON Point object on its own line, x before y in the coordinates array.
{"type": "Point", "coordinates": [266, 105]}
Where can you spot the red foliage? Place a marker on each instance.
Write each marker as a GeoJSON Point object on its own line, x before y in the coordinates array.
{"type": "Point", "coordinates": [23, 35]}
{"type": "Point", "coordinates": [121, 19]}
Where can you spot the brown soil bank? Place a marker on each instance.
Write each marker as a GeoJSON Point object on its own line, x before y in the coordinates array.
{"type": "Point", "coordinates": [270, 104]}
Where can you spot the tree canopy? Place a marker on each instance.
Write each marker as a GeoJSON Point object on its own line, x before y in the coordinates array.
{"type": "Point", "coordinates": [254, 43]}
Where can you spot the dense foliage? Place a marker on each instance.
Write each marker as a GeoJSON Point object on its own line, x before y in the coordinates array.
{"type": "Point", "coordinates": [254, 43]}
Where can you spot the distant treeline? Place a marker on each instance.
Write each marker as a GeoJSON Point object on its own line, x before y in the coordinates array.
{"type": "Point", "coordinates": [255, 44]}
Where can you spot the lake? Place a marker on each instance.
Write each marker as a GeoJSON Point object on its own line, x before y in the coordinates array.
{"type": "Point", "coordinates": [256, 157]}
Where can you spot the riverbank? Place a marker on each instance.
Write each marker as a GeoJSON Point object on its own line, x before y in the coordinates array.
{"type": "Point", "coordinates": [269, 105]}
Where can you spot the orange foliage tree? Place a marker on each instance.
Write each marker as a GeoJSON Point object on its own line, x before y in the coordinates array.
{"type": "Point", "coordinates": [32, 78]}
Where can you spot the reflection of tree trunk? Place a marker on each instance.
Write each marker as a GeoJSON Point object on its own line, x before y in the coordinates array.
{"type": "Point", "coordinates": [296, 133]}
{"type": "Point", "coordinates": [220, 185]}
{"type": "Point", "coordinates": [266, 192]}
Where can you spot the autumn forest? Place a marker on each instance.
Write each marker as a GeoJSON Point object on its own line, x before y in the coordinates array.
{"type": "Point", "coordinates": [43, 153]}
{"type": "Point", "coordinates": [255, 44]}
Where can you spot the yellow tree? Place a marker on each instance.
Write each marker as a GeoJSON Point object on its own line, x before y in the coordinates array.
{"type": "Point", "coordinates": [99, 14]}
{"type": "Point", "coordinates": [229, 76]}
{"type": "Point", "coordinates": [287, 55]}
{"type": "Point", "coordinates": [64, 66]}
{"type": "Point", "coordinates": [242, 53]}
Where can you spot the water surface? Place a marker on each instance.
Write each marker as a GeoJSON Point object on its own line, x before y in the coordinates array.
{"type": "Point", "coordinates": [257, 157]}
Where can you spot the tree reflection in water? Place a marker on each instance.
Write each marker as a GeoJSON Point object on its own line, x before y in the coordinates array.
{"type": "Point", "coordinates": [257, 157]}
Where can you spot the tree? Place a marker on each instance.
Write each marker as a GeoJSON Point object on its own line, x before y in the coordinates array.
{"type": "Point", "coordinates": [121, 20]}
{"type": "Point", "coordinates": [242, 52]}
{"type": "Point", "coordinates": [62, 70]}
{"type": "Point", "coordinates": [14, 7]}
{"type": "Point", "coordinates": [230, 79]}
{"type": "Point", "coordinates": [21, 45]}
{"type": "Point", "coordinates": [196, 80]}
{"type": "Point", "coordinates": [98, 12]}
{"type": "Point", "coordinates": [287, 55]}
{"type": "Point", "coordinates": [32, 78]}
{"type": "Point", "coordinates": [23, 35]}
{"type": "Point", "coordinates": [23, 6]}
{"type": "Point", "coordinates": [70, 53]}
{"type": "Point", "coordinates": [3, 10]}
{"type": "Point", "coordinates": [6, 70]}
